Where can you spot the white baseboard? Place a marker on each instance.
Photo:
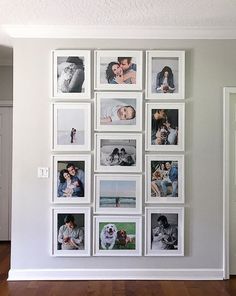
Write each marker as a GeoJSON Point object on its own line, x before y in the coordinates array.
{"type": "Point", "coordinates": [114, 274]}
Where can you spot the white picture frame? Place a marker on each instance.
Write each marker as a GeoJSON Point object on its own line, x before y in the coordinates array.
{"type": "Point", "coordinates": [72, 248]}
{"type": "Point", "coordinates": [164, 178]}
{"type": "Point", "coordinates": [117, 194]}
{"type": "Point", "coordinates": [71, 74]}
{"type": "Point", "coordinates": [167, 239]}
{"type": "Point", "coordinates": [124, 238]}
{"type": "Point", "coordinates": [105, 158]}
{"type": "Point", "coordinates": [167, 132]}
{"type": "Point", "coordinates": [159, 62]}
{"type": "Point", "coordinates": [119, 77]}
{"type": "Point", "coordinates": [106, 111]}
{"type": "Point", "coordinates": [67, 117]}
{"type": "Point", "coordinates": [79, 169]}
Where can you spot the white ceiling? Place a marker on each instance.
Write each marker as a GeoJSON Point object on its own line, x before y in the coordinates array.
{"type": "Point", "coordinates": [112, 15]}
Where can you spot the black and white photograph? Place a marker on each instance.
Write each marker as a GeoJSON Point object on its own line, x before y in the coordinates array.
{"type": "Point", "coordinates": [71, 231]}
{"type": "Point", "coordinates": [71, 126]}
{"type": "Point", "coordinates": [118, 111]}
{"type": "Point", "coordinates": [118, 70]}
{"type": "Point", "coordinates": [164, 231]}
{"type": "Point", "coordinates": [118, 152]}
{"type": "Point", "coordinates": [71, 74]}
{"type": "Point", "coordinates": [165, 126]}
{"type": "Point", "coordinates": [71, 178]}
{"type": "Point", "coordinates": [165, 74]}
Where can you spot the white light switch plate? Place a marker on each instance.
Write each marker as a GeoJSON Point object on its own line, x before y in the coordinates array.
{"type": "Point", "coordinates": [43, 172]}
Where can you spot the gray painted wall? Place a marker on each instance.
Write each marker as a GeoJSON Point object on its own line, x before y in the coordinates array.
{"type": "Point", "coordinates": [6, 82]}
{"type": "Point", "coordinates": [210, 65]}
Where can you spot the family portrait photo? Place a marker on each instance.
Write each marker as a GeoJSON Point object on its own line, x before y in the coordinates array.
{"type": "Point", "coordinates": [72, 126]}
{"type": "Point", "coordinates": [164, 231]}
{"type": "Point", "coordinates": [71, 73]}
{"type": "Point", "coordinates": [118, 193]}
{"type": "Point", "coordinates": [165, 126]}
{"type": "Point", "coordinates": [118, 70]}
{"type": "Point", "coordinates": [118, 111]}
{"type": "Point", "coordinates": [71, 232]}
{"type": "Point", "coordinates": [117, 236]}
{"type": "Point", "coordinates": [165, 74]}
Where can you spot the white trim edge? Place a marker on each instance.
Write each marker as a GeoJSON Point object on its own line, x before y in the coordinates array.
{"type": "Point", "coordinates": [6, 103]}
{"type": "Point", "coordinates": [115, 274]}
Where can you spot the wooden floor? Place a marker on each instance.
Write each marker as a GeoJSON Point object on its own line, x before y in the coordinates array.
{"type": "Point", "coordinates": [109, 288]}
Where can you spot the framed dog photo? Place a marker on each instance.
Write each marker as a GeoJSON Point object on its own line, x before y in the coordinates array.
{"type": "Point", "coordinates": [71, 74]}
{"type": "Point", "coordinates": [164, 234]}
{"type": "Point", "coordinates": [118, 111]}
{"type": "Point", "coordinates": [165, 74]}
{"type": "Point", "coordinates": [118, 69]}
{"type": "Point", "coordinates": [118, 153]}
{"type": "Point", "coordinates": [165, 126]}
{"type": "Point", "coordinates": [164, 179]}
{"type": "Point", "coordinates": [118, 194]}
{"type": "Point", "coordinates": [71, 231]}
{"type": "Point", "coordinates": [117, 236]}
{"type": "Point", "coordinates": [71, 126]}
{"type": "Point", "coordinates": [71, 178]}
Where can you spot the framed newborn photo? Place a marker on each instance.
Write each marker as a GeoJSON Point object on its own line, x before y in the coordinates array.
{"type": "Point", "coordinates": [71, 178]}
{"type": "Point", "coordinates": [71, 74]}
{"type": "Point", "coordinates": [164, 178]}
{"type": "Point", "coordinates": [164, 231]}
{"type": "Point", "coordinates": [118, 70]}
{"type": "Point", "coordinates": [118, 194]}
{"type": "Point", "coordinates": [165, 126]}
{"type": "Point", "coordinates": [118, 111]}
{"type": "Point", "coordinates": [118, 153]}
{"type": "Point", "coordinates": [165, 77]}
{"type": "Point", "coordinates": [117, 236]}
{"type": "Point", "coordinates": [71, 231]}
{"type": "Point", "coordinates": [71, 126]}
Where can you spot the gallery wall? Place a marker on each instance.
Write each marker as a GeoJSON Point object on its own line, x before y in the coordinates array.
{"type": "Point", "coordinates": [210, 66]}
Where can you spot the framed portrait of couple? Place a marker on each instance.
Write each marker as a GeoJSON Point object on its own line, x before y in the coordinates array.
{"type": "Point", "coordinates": [165, 74]}
{"type": "Point", "coordinates": [164, 231]}
{"type": "Point", "coordinates": [118, 70]}
{"type": "Point", "coordinates": [71, 74]}
{"type": "Point", "coordinates": [165, 126]}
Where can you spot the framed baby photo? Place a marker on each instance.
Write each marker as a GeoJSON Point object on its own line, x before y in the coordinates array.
{"type": "Point", "coordinates": [71, 74]}
{"type": "Point", "coordinates": [164, 235]}
{"type": "Point", "coordinates": [71, 178]}
{"type": "Point", "coordinates": [118, 153]}
{"type": "Point", "coordinates": [165, 126]}
{"type": "Point", "coordinates": [71, 126]}
{"type": "Point", "coordinates": [118, 194]}
{"type": "Point", "coordinates": [118, 111]}
{"type": "Point", "coordinates": [71, 231]}
{"type": "Point", "coordinates": [165, 77]}
{"type": "Point", "coordinates": [118, 69]}
{"type": "Point", "coordinates": [117, 236]}
{"type": "Point", "coordinates": [164, 179]}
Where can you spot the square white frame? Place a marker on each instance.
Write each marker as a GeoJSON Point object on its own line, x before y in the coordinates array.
{"type": "Point", "coordinates": [87, 135]}
{"type": "Point", "coordinates": [163, 211]}
{"type": "Point", "coordinates": [117, 169]}
{"type": "Point", "coordinates": [117, 219]}
{"type": "Point", "coordinates": [87, 218]}
{"type": "Point", "coordinates": [98, 54]}
{"type": "Point", "coordinates": [87, 176]}
{"type": "Point", "coordinates": [118, 95]}
{"type": "Point", "coordinates": [117, 177]}
{"type": "Point", "coordinates": [164, 157]}
{"type": "Point", "coordinates": [87, 73]}
{"type": "Point", "coordinates": [180, 54]}
{"type": "Point", "coordinates": [181, 128]}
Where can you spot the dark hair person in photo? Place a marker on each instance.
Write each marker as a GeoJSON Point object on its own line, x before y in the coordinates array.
{"type": "Point", "coordinates": [165, 81]}
{"type": "Point", "coordinates": [70, 75]}
{"type": "Point", "coordinates": [164, 235]}
{"type": "Point", "coordinates": [70, 236]}
{"type": "Point", "coordinates": [69, 186]}
{"type": "Point", "coordinates": [120, 158]}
